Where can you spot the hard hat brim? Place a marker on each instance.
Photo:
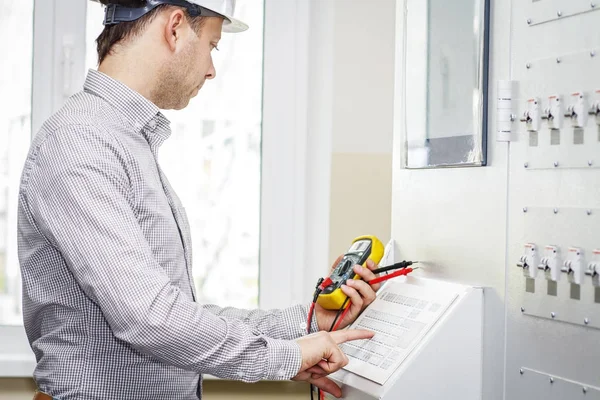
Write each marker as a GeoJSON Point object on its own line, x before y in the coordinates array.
{"type": "Point", "coordinates": [232, 25]}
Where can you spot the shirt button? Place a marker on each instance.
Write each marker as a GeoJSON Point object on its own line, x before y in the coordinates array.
{"type": "Point", "coordinates": [281, 373]}
{"type": "Point", "coordinates": [152, 124]}
{"type": "Point", "coordinates": [240, 374]}
{"type": "Point", "coordinates": [303, 326]}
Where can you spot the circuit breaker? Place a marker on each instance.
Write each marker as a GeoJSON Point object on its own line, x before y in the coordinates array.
{"type": "Point", "coordinates": [529, 261]}
{"type": "Point", "coordinates": [574, 265]}
{"type": "Point", "coordinates": [578, 111]}
{"type": "Point", "coordinates": [593, 268]}
{"type": "Point", "coordinates": [595, 108]}
{"type": "Point", "coordinates": [549, 263]}
{"type": "Point", "coordinates": [553, 113]}
{"type": "Point", "coordinates": [532, 116]}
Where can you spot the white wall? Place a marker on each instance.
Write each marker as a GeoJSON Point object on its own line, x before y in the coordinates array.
{"type": "Point", "coordinates": [455, 219]}
{"type": "Point", "coordinates": [362, 122]}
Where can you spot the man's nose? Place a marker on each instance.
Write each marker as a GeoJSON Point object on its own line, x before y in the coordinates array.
{"type": "Point", "coordinates": [212, 72]}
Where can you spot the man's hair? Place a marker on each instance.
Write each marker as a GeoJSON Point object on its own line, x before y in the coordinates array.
{"type": "Point", "coordinates": [116, 34]}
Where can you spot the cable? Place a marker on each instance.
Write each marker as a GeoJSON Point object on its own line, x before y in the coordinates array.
{"type": "Point", "coordinates": [337, 325]}
{"type": "Point", "coordinates": [322, 283]}
{"type": "Point", "coordinates": [400, 265]}
{"type": "Point", "coordinates": [310, 316]}
{"type": "Point", "coordinates": [339, 313]}
{"type": "Point", "coordinates": [401, 272]}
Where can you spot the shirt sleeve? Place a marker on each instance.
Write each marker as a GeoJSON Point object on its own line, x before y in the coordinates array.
{"type": "Point", "coordinates": [288, 323]}
{"type": "Point", "coordinates": [80, 196]}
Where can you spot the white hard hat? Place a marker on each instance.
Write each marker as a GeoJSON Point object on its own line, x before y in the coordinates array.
{"type": "Point", "coordinates": [225, 8]}
{"type": "Point", "coordinates": [115, 13]}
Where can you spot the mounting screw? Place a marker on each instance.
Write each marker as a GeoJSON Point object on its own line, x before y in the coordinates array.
{"type": "Point", "coordinates": [553, 314]}
{"type": "Point", "coordinates": [592, 53]}
{"type": "Point", "coordinates": [556, 211]}
{"type": "Point", "coordinates": [593, 5]}
{"type": "Point", "coordinates": [558, 60]}
{"type": "Point", "coordinates": [551, 380]}
{"type": "Point", "coordinates": [522, 309]}
{"type": "Point", "coordinates": [555, 164]}
{"type": "Point", "coordinates": [524, 209]}
{"type": "Point", "coordinates": [528, 21]}
{"type": "Point", "coordinates": [586, 321]}
{"type": "Point", "coordinates": [589, 212]}
{"type": "Point", "coordinates": [559, 13]}
{"type": "Point", "coordinates": [521, 371]}
{"type": "Point", "coordinates": [526, 165]}
{"type": "Point", "coordinates": [590, 163]}
{"type": "Point", "coordinates": [584, 390]}
{"type": "Point", "coordinates": [513, 117]}
{"type": "Point", "coordinates": [528, 65]}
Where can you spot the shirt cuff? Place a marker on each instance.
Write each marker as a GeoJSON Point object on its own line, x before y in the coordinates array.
{"type": "Point", "coordinates": [284, 359]}
{"type": "Point", "coordinates": [295, 319]}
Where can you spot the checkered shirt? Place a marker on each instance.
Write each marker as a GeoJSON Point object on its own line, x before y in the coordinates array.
{"type": "Point", "coordinates": [106, 257]}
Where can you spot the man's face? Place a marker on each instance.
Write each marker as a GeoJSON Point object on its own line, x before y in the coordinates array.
{"type": "Point", "coordinates": [183, 76]}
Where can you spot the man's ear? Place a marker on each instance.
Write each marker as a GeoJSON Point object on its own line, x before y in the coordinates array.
{"type": "Point", "coordinates": [173, 29]}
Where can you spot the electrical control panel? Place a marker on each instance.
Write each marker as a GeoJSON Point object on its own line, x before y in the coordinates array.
{"type": "Point", "coordinates": [526, 226]}
{"type": "Point", "coordinates": [553, 296]}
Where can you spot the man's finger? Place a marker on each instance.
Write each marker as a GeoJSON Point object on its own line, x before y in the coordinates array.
{"type": "Point", "coordinates": [355, 298]}
{"type": "Point", "coordinates": [351, 334]}
{"type": "Point", "coordinates": [364, 289]}
{"type": "Point", "coordinates": [364, 273]}
{"type": "Point", "coordinates": [371, 264]}
{"type": "Point", "coordinates": [327, 385]}
{"type": "Point", "coordinates": [336, 361]}
{"type": "Point", "coordinates": [317, 370]}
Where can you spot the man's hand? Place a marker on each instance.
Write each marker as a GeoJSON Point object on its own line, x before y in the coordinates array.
{"type": "Point", "coordinates": [321, 356]}
{"type": "Point", "coordinates": [361, 295]}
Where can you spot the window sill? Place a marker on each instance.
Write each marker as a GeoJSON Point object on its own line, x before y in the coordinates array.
{"type": "Point", "coordinates": [16, 365]}
{"type": "Point", "coordinates": [22, 366]}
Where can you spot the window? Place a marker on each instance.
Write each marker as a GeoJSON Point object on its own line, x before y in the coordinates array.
{"type": "Point", "coordinates": [213, 161]}
{"type": "Point", "coordinates": [16, 22]}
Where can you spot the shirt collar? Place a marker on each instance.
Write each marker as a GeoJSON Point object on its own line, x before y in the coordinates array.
{"type": "Point", "coordinates": [144, 115]}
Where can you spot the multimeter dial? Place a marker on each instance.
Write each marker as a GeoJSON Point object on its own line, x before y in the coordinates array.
{"type": "Point", "coordinates": [356, 255]}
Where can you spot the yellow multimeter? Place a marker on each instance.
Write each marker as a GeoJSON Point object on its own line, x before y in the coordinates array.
{"type": "Point", "coordinates": [362, 249]}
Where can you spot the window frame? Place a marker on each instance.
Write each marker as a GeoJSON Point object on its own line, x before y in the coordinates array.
{"type": "Point", "coordinates": [58, 68]}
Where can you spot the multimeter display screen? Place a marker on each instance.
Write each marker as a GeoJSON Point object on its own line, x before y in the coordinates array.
{"type": "Point", "coordinates": [358, 253]}
{"type": "Point", "coordinates": [361, 245]}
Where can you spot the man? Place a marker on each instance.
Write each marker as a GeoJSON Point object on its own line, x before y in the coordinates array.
{"type": "Point", "coordinates": [104, 243]}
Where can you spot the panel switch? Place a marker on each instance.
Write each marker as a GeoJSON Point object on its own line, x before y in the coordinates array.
{"type": "Point", "coordinates": [593, 268]}
{"type": "Point", "coordinates": [531, 116]}
{"type": "Point", "coordinates": [578, 111]}
{"type": "Point", "coordinates": [550, 263]}
{"type": "Point", "coordinates": [574, 265]}
{"type": "Point", "coordinates": [595, 108]}
{"type": "Point", "coordinates": [529, 260]}
{"type": "Point", "coordinates": [554, 112]}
